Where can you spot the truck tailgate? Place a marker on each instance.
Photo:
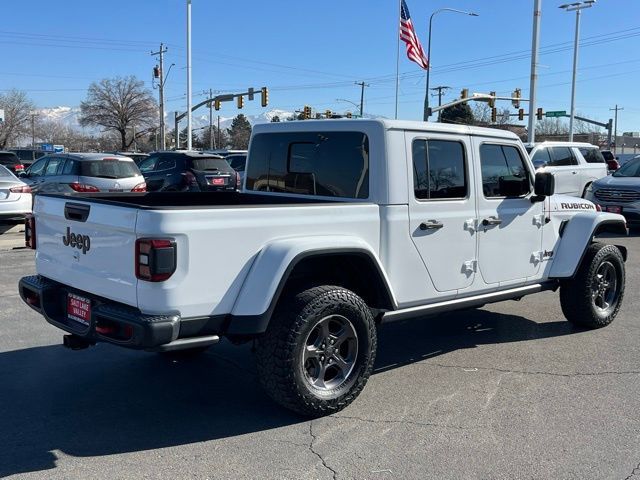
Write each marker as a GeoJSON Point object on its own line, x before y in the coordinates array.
{"type": "Point", "coordinates": [88, 246]}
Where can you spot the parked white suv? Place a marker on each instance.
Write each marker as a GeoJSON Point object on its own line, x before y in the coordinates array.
{"type": "Point", "coordinates": [574, 165]}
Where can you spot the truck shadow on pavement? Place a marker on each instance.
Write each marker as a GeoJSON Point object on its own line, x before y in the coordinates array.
{"type": "Point", "coordinates": [105, 400]}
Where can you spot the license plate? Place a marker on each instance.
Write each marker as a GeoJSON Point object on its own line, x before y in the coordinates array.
{"type": "Point", "coordinates": [78, 308]}
{"type": "Point", "coordinates": [217, 181]}
{"type": "Point", "coordinates": [613, 209]}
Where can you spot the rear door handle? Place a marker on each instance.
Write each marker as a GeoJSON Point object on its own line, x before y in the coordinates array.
{"type": "Point", "coordinates": [431, 225]}
{"type": "Point", "coordinates": [491, 221]}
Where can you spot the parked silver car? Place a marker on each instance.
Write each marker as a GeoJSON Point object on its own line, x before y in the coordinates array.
{"type": "Point", "coordinates": [619, 192]}
{"type": "Point", "coordinates": [15, 196]}
{"type": "Point", "coordinates": [84, 172]}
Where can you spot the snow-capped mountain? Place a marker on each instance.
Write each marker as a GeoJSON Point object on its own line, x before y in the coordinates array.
{"type": "Point", "coordinates": [69, 116]}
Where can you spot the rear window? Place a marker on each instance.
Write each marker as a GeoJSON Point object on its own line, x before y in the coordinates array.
{"type": "Point", "coordinates": [330, 164]}
{"type": "Point", "coordinates": [4, 173]}
{"type": "Point", "coordinates": [592, 155]}
{"type": "Point", "coordinates": [109, 169]}
{"type": "Point", "coordinates": [208, 164]}
{"type": "Point", "coordinates": [9, 158]}
{"type": "Point", "coordinates": [237, 162]}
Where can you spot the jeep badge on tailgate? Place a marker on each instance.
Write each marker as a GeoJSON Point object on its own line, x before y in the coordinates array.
{"type": "Point", "coordinates": [81, 242]}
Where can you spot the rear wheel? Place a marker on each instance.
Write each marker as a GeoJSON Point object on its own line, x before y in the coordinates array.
{"type": "Point", "coordinates": [318, 351]}
{"type": "Point", "coordinates": [593, 297]}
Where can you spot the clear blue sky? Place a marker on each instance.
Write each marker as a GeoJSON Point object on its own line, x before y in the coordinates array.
{"type": "Point", "coordinates": [313, 52]}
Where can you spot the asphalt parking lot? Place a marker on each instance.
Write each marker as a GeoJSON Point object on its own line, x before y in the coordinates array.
{"type": "Point", "coordinates": [510, 391]}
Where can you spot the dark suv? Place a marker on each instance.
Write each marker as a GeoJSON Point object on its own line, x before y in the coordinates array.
{"type": "Point", "coordinates": [12, 162]}
{"type": "Point", "coordinates": [28, 155]}
{"type": "Point", "coordinates": [188, 171]}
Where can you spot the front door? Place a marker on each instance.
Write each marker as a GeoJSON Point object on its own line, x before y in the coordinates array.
{"type": "Point", "coordinates": [442, 208]}
{"type": "Point", "coordinates": [509, 224]}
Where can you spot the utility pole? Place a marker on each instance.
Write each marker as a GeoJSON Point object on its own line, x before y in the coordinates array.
{"type": "Point", "coordinates": [440, 89]}
{"type": "Point", "coordinates": [615, 127]}
{"type": "Point", "coordinates": [33, 129]}
{"type": "Point", "coordinates": [535, 46]}
{"type": "Point", "coordinates": [161, 78]}
{"type": "Point", "coordinates": [210, 121]}
{"type": "Point", "coordinates": [219, 146]}
{"type": "Point", "coordinates": [176, 132]}
{"type": "Point", "coordinates": [189, 75]}
{"type": "Point", "coordinates": [362, 85]}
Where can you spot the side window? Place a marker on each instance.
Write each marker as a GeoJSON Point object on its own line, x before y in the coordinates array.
{"type": "Point", "coordinates": [38, 167]}
{"type": "Point", "coordinates": [504, 173]}
{"type": "Point", "coordinates": [561, 157]}
{"type": "Point", "coordinates": [166, 163]}
{"type": "Point", "coordinates": [70, 167]}
{"type": "Point", "coordinates": [541, 158]}
{"type": "Point", "coordinates": [439, 169]}
{"type": "Point", "coordinates": [53, 165]}
{"type": "Point", "coordinates": [147, 164]}
{"type": "Point", "coordinates": [592, 155]}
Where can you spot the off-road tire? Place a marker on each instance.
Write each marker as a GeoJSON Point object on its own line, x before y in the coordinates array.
{"type": "Point", "coordinates": [279, 354]}
{"type": "Point", "coordinates": [577, 294]}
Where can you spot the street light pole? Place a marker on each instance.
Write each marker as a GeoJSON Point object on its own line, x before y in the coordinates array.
{"type": "Point", "coordinates": [575, 7]}
{"type": "Point", "coordinates": [427, 112]}
{"type": "Point", "coordinates": [188, 74]}
{"type": "Point", "coordinates": [535, 46]}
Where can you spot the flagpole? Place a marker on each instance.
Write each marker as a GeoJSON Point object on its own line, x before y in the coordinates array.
{"type": "Point", "coordinates": [398, 56]}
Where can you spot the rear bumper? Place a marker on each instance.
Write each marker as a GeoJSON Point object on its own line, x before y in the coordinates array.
{"type": "Point", "coordinates": [110, 321]}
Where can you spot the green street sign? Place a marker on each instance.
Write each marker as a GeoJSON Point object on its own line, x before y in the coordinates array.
{"type": "Point", "coordinates": [559, 113]}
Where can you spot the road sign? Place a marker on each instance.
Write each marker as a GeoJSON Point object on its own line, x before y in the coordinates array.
{"type": "Point", "coordinates": [559, 113]}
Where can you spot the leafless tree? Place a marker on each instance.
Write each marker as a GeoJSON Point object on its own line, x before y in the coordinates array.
{"type": "Point", "coordinates": [121, 105]}
{"type": "Point", "coordinates": [17, 117]}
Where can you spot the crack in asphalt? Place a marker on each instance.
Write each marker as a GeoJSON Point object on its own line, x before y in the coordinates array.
{"type": "Point", "coordinates": [634, 472]}
{"type": "Point", "coordinates": [311, 449]}
{"type": "Point", "coordinates": [536, 372]}
{"type": "Point", "coordinates": [406, 422]}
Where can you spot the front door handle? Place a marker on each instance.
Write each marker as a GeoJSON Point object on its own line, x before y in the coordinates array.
{"type": "Point", "coordinates": [431, 225]}
{"type": "Point", "coordinates": [491, 221]}
{"type": "Point", "coordinates": [575, 173]}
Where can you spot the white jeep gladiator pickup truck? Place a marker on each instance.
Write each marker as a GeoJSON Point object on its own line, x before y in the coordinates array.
{"type": "Point", "coordinates": [341, 225]}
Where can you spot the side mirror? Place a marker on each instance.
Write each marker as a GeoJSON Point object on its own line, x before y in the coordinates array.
{"type": "Point", "coordinates": [545, 186]}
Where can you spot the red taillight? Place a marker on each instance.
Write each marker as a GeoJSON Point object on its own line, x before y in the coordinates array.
{"type": "Point", "coordinates": [23, 189]}
{"type": "Point", "coordinates": [19, 167]}
{"type": "Point", "coordinates": [30, 232]}
{"type": "Point", "coordinates": [155, 259]}
{"type": "Point", "coordinates": [141, 187]}
{"type": "Point", "coordinates": [190, 179]}
{"type": "Point", "coordinates": [83, 187]}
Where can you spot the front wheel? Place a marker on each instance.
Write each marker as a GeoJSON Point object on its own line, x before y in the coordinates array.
{"type": "Point", "coordinates": [318, 351]}
{"type": "Point", "coordinates": [593, 297]}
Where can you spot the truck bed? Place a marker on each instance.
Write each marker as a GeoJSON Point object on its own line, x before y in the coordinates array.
{"type": "Point", "coordinates": [191, 200]}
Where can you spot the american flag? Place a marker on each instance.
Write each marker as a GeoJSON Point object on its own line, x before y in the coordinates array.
{"type": "Point", "coordinates": [408, 36]}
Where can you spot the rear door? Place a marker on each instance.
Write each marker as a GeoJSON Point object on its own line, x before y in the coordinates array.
{"type": "Point", "coordinates": [103, 264]}
{"type": "Point", "coordinates": [566, 170]}
{"type": "Point", "coordinates": [442, 208]}
{"type": "Point", "coordinates": [510, 225]}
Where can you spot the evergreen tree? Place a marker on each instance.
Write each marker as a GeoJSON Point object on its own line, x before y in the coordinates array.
{"type": "Point", "coordinates": [240, 132]}
{"type": "Point", "coordinates": [460, 114]}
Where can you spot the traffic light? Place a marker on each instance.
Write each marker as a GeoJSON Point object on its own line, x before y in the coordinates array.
{"type": "Point", "coordinates": [240, 101]}
{"type": "Point", "coordinates": [494, 115]}
{"type": "Point", "coordinates": [328, 114]}
{"type": "Point", "coordinates": [348, 114]}
{"type": "Point", "coordinates": [521, 114]}
{"type": "Point", "coordinates": [250, 93]}
{"type": "Point", "coordinates": [492, 100]}
{"type": "Point", "coordinates": [517, 93]}
{"type": "Point", "coordinates": [306, 112]}
{"type": "Point", "coordinates": [264, 96]}
{"type": "Point", "coordinates": [216, 104]}
{"type": "Point", "coordinates": [539, 114]}
{"type": "Point", "coordinates": [464, 93]}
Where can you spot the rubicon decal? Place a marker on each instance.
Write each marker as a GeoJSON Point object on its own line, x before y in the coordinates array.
{"type": "Point", "coordinates": [75, 240]}
{"type": "Point", "coordinates": [577, 206]}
